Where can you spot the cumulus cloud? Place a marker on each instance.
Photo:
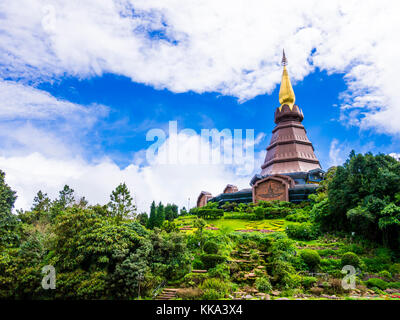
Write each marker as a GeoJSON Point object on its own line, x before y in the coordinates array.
{"type": "Point", "coordinates": [232, 47]}
{"type": "Point", "coordinates": [163, 181]}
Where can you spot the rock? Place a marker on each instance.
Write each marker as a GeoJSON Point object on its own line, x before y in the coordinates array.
{"type": "Point", "coordinates": [282, 299]}
{"type": "Point", "coordinates": [248, 297]}
{"type": "Point", "coordinates": [275, 293]}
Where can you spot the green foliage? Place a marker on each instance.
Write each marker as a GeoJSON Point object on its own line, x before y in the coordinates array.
{"type": "Point", "coordinates": [211, 260]}
{"type": "Point", "coordinates": [311, 258]}
{"type": "Point", "coordinates": [121, 206]}
{"type": "Point", "coordinates": [151, 223]}
{"type": "Point", "coordinates": [169, 226]}
{"type": "Point", "coordinates": [8, 222]}
{"type": "Point", "coordinates": [220, 271]}
{"type": "Point", "coordinates": [209, 213]}
{"type": "Point", "coordinates": [214, 288]}
{"type": "Point", "coordinates": [360, 195]}
{"type": "Point", "coordinates": [194, 279]}
{"type": "Point", "coordinates": [210, 247]}
{"type": "Point", "coordinates": [299, 216]}
{"type": "Point", "coordinates": [263, 284]}
{"type": "Point", "coordinates": [376, 283]}
{"type": "Point", "coordinates": [350, 258]}
{"type": "Point", "coordinates": [303, 231]}
{"type": "Point", "coordinates": [308, 282]}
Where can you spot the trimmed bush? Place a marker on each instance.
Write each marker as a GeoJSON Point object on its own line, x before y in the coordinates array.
{"type": "Point", "coordinates": [303, 231]}
{"type": "Point", "coordinates": [263, 285]}
{"type": "Point", "coordinates": [206, 213]}
{"type": "Point", "coordinates": [211, 260]}
{"type": "Point", "coordinates": [376, 283]}
{"type": "Point", "coordinates": [311, 258]}
{"type": "Point", "coordinates": [210, 247]}
{"type": "Point", "coordinates": [350, 258]}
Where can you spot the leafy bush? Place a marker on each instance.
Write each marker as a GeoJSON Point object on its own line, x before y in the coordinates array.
{"type": "Point", "coordinates": [393, 285]}
{"type": "Point", "coordinates": [214, 286]}
{"type": "Point", "coordinates": [197, 264]}
{"type": "Point", "coordinates": [220, 271]}
{"type": "Point", "coordinates": [308, 282]}
{"type": "Point", "coordinates": [299, 216]}
{"type": "Point", "coordinates": [263, 285]}
{"type": "Point", "coordinates": [330, 265]}
{"type": "Point", "coordinates": [350, 258]}
{"type": "Point", "coordinates": [210, 247]}
{"type": "Point", "coordinates": [212, 294]}
{"type": "Point", "coordinates": [240, 215]}
{"type": "Point", "coordinates": [211, 260]}
{"type": "Point", "coordinates": [311, 258]}
{"type": "Point", "coordinates": [194, 279]}
{"type": "Point", "coordinates": [303, 231]}
{"type": "Point", "coordinates": [395, 269]}
{"type": "Point", "coordinates": [209, 213]}
{"type": "Point", "coordinates": [376, 283]}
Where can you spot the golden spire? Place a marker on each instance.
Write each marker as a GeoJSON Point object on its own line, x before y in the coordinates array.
{"type": "Point", "coordinates": [286, 93]}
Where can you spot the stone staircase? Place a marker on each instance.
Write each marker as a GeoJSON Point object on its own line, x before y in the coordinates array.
{"type": "Point", "coordinates": [167, 294]}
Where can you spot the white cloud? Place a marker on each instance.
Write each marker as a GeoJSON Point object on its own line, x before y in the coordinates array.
{"type": "Point", "coordinates": [232, 47]}
{"type": "Point", "coordinates": [95, 180]}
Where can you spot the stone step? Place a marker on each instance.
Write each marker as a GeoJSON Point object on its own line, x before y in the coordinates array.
{"type": "Point", "coordinates": [199, 271]}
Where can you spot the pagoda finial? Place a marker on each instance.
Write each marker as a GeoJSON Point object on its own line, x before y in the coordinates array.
{"type": "Point", "coordinates": [284, 60]}
{"type": "Point", "coordinates": [286, 93]}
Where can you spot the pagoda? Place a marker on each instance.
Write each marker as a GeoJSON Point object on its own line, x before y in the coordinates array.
{"type": "Point", "coordinates": [290, 162]}
{"type": "Point", "coordinates": [291, 171]}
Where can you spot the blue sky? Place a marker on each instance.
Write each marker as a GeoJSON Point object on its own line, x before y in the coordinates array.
{"type": "Point", "coordinates": [136, 108]}
{"type": "Point", "coordinates": [82, 83]}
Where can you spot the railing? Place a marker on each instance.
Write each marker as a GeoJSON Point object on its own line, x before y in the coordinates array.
{"type": "Point", "coordinates": [156, 291]}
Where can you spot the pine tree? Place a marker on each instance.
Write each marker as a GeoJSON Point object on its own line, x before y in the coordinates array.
{"type": "Point", "coordinates": [160, 215]}
{"type": "Point", "coordinates": [120, 204]}
{"type": "Point", "coordinates": [152, 219]}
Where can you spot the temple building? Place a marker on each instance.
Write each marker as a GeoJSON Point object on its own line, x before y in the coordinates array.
{"type": "Point", "coordinates": [291, 171]}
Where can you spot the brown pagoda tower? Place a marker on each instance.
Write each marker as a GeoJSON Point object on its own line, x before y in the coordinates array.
{"type": "Point", "coordinates": [290, 158]}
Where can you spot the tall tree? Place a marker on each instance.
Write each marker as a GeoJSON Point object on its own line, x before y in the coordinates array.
{"type": "Point", "coordinates": [152, 219]}
{"type": "Point", "coordinates": [8, 221]}
{"type": "Point", "coordinates": [7, 196]}
{"type": "Point", "coordinates": [41, 202]}
{"type": "Point", "coordinates": [120, 204]}
{"type": "Point", "coordinates": [160, 215]}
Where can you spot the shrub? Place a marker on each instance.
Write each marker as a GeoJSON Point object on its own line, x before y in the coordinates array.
{"type": "Point", "coordinates": [335, 286]}
{"type": "Point", "coordinates": [393, 285]}
{"type": "Point", "coordinates": [210, 247]}
{"type": "Point", "coordinates": [385, 274]}
{"type": "Point", "coordinates": [376, 283]}
{"type": "Point", "coordinates": [316, 291]}
{"type": "Point", "coordinates": [209, 213]}
{"type": "Point", "coordinates": [212, 294]}
{"type": "Point", "coordinates": [303, 231]}
{"type": "Point", "coordinates": [197, 264]}
{"type": "Point", "coordinates": [211, 260]}
{"type": "Point", "coordinates": [308, 282]}
{"type": "Point", "coordinates": [311, 258]}
{"type": "Point", "coordinates": [395, 269]}
{"type": "Point", "coordinates": [220, 271]}
{"type": "Point", "coordinates": [350, 258]}
{"type": "Point", "coordinates": [194, 279]}
{"type": "Point", "coordinates": [298, 217]}
{"type": "Point", "coordinates": [214, 287]}
{"type": "Point", "coordinates": [263, 284]}
{"type": "Point", "coordinates": [189, 293]}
